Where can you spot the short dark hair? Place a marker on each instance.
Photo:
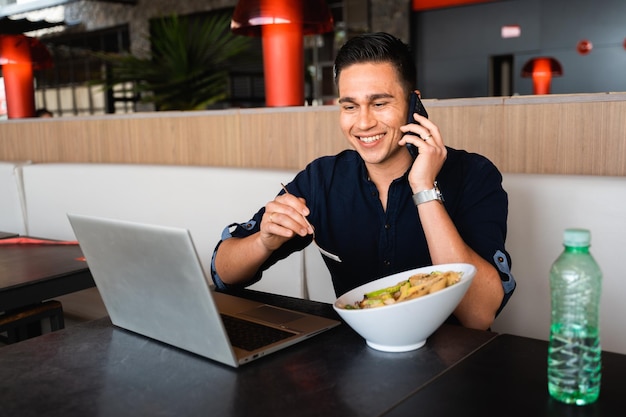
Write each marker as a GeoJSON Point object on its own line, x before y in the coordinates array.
{"type": "Point", "coordinates": [378, 47]}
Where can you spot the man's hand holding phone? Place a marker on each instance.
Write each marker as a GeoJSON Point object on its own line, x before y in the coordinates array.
{"type": "Point", "coordinates": [425, 168]}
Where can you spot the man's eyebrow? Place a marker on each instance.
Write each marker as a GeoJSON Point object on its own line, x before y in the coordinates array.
{"type": "Point", "coordinates": [379, 96]}
{"type": "Point", "coordinates": [370, 98]}
{"type": "Point", "coordinates": [345, 100]}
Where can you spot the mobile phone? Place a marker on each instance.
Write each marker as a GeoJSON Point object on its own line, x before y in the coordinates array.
{"type": "Point", "coordinates": [415, 106]}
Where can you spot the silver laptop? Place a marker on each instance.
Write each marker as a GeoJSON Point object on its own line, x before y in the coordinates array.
{"type": "Point", "coordinates": [152, 283]}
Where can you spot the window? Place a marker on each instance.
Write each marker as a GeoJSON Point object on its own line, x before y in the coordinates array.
{"type": "Point", "coordinates": [68, 88]}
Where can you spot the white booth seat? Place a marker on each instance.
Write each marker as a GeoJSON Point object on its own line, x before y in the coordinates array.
{"type": "Point", "coordinates": [540, 208]}
{"type": "Point", "coordinates": [11, 208]}
{"type": "Point", "coordinates": [206, 199]}
{"type": "Point", "coordinates": [201, 199]}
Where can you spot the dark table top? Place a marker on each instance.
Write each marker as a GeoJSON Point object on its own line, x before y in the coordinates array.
{"type": "Point", "coordinates": [507, 377]}
{"type": "Point", "coordinates": [30, 274]}
{"type": "Point", "coordinates": [97, 369]}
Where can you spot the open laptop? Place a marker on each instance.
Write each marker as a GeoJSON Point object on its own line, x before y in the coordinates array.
{"type": "Point", "coordinates": [152, 283]}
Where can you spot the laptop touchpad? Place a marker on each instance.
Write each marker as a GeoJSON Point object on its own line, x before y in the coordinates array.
{"type": "Point", "coordinates": [272, 315]}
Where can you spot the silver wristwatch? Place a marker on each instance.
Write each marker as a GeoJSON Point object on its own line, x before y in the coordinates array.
{"type": "Point", "coordinates": [428, 195]}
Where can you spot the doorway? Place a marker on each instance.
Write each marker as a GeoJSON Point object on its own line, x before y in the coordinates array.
{"type": "Point", "coordinates": [501, 75]}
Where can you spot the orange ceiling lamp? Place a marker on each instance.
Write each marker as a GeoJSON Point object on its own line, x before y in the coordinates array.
{"type": "Point", "coordinates": [20, 55]}
{"type": "Point", "coordinates": [282, 25]}
{"type": "Point", "coordinates": [541, 70]}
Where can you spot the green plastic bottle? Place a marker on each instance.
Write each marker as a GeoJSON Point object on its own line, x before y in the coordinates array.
{"type": "Point", "coordinates": [574, 352]}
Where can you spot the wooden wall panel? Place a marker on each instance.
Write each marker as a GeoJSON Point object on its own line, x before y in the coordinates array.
{"type": "Point", "coordinates": [568, 134]}
{"type": "Point", "coordinates": [289, 138]}
{"type": "Point", "coordinates": [586, 135]}
{"type": "Point", "coordinates": [476, 125]}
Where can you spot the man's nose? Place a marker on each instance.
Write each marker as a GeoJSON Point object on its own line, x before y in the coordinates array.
{"type": "Point", "coordinates": [366, 118]}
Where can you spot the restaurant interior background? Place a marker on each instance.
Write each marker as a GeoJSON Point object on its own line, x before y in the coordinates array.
{"type": "Point", "coordinates": [467, 48]}
{"type": "Point", "coordinates": [549, 147]}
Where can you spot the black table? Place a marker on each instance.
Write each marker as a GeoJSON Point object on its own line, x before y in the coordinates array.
{"type": "Point", "coordinates": [95, 368]}
{"type": "Point", "coordinates": [507, 377]}
{"type": "Point", "coordinates": [31, 273]}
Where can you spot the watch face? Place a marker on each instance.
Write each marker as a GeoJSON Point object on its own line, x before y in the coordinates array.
{"type": "Point", "coordinates": [438, 191]}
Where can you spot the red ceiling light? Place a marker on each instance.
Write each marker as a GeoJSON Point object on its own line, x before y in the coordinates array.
{"type": "Point", "coordinates": [542, 69]}
{"type": "Point", "coordinates": [282, 24]}
{"type": "Point", "coordinates": [19, 56]}
{"type": "Point", "coordinates": [250, 16]}
{"type": "Point", "coordinates": [584, 47]}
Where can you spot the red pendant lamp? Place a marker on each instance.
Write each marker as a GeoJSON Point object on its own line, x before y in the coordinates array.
{"type": "Point", "coordinates": [282, 25]}
{"type": "Point", "coordinates": [20, 55]}
{"type": "Point", "coordinates": [542, 69]}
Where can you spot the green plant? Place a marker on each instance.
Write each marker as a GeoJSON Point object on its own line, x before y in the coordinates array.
{"type": "Point", "coordinates": [189, 63]}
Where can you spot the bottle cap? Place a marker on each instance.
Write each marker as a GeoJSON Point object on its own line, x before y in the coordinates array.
{"type": "Point", "coordinates": [576, 237]}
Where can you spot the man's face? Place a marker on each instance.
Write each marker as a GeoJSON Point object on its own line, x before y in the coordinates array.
{"type": "Point", "coordinates": [373, 106]}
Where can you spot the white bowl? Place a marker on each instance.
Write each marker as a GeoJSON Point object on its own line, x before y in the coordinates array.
{"type": "Point", "coordinates": [405, 325]}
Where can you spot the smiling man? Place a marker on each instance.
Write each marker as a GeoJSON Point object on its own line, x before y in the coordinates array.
{"type": "Point", "coordinates": [380, 208]}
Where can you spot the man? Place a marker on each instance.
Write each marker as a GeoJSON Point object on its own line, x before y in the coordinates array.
{"type": "Point", "coordinates": [377, 207]}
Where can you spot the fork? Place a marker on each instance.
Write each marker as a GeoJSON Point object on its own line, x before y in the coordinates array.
{"type": "Point", "coordinates": [322, 250]}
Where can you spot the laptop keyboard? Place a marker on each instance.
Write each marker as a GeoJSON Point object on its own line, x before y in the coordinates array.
{"type": "Point", "coordinates": [251, 336]}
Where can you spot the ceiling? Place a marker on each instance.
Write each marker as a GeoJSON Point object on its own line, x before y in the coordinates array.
{"type": "Point", "coordinates": [17, 26]}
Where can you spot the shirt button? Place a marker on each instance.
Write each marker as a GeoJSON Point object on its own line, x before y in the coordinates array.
{"type": "Point", "coordinates": [387, 226]}
{"type": "Point", "coordinates": [387, 263]}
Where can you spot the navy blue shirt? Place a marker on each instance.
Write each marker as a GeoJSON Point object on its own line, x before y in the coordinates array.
{"type": "Point", "coordinates": [350, 221]}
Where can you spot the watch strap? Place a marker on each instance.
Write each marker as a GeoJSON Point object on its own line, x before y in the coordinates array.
{"type": "Point", "coordinates": [427, 195]}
